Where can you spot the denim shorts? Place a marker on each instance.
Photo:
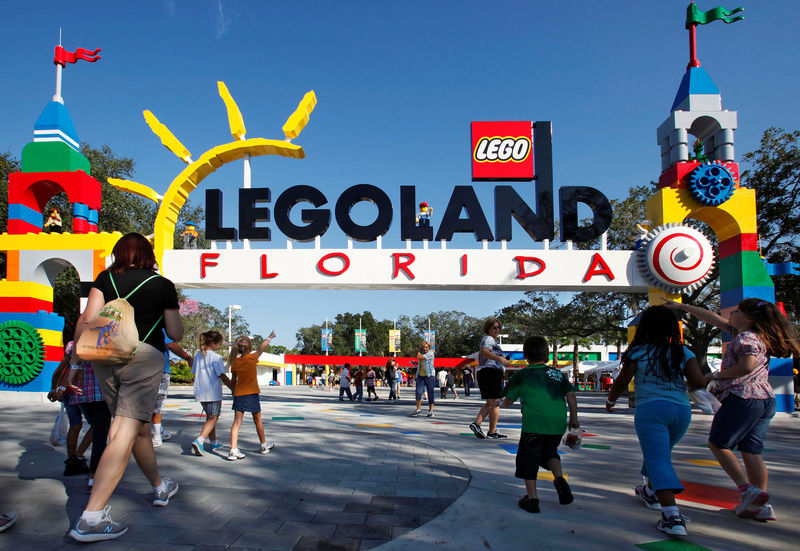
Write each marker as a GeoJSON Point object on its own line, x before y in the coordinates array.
{"type": "Point", "coordinates": [212, 409]}
{"type": "Point", "coordinates": [427, 384]}
{"type": "Point", "coordinates": [249, 403]}
{"type": "Point", "coordinates": [742, 422]}
{"type": "Point", "coordinates": [74, 415]}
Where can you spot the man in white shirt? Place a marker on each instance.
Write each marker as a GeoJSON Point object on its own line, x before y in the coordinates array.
{"type": "Point", "coordinates": [344, 383]}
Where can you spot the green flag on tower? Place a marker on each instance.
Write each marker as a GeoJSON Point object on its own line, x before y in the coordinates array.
{"type": "Point", "coordinates": [694, 16]}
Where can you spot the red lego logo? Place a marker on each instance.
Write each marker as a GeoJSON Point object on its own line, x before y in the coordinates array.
{"type": "Point", "coordinates": [502, 150]}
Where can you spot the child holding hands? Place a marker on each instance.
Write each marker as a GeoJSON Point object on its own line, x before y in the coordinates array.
{"type": "Point", "coordinates": [542, 390]}
{"type": "Point", "coordinates": [244, 382]}
{"type": "Point", "coordinates": [759, 331]}
{"type": "Point", "coordinates": [209, 374]}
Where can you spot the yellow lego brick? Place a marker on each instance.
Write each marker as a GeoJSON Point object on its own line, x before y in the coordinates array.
{"type": "Point", "coordinates": [50, 337]}
{"type": "Point", "coordinates": [26, 289]}
{"type": "Point", "coordinates": [103, 242]}
{"type": "Point", "coordinates": [735, 216]}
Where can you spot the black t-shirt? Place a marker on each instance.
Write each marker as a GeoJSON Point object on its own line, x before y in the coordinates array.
{"type": "Point", "coordinates": [149, 302]}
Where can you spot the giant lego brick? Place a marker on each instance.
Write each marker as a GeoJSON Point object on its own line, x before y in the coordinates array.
{"type": "Point", "coordinates": [52, 157]}
{"type": "Point", "coordinates": [743, 269]}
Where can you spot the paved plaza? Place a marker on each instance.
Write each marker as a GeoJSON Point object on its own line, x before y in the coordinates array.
{"type": "Point", "coordinates": [367, 476]}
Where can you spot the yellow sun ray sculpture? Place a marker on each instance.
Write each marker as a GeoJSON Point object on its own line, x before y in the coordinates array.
{"type": "Point", "coordinates": [190, 177]}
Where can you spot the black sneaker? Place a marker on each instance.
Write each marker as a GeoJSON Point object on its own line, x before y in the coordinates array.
{"type": "Point", "coordinates": [75, 465]}
{"type": "Point", "coordinates": [495, 435]}
{"type": "Point", "coordinates": [476, 429]}
{"type": "Point", "coordinates": [674, 526]}
{"type": "Point", "coordinates": [564, 493]}
{"type": "Point", "coordinates": [530, 505]}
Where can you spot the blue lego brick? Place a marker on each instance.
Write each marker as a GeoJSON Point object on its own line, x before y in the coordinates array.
{"type": "Point", "coordinates": [93, 217]}
{"type": "Point", "coordinates": [26, 214]}
{"type": "Point", "coordinates": [695, 81]}
{"type": "Point", "coordinates": [733, 297]}
{"type": "Point", "coordinates": [40, 319]}
{"type": "Point", "coordinates": [784, 403]}
{"type": "Point", "coordinates": [40, 384]}
{"type": "Point", "coordinates": [782, 268]}
{"type": "Point", "coordinates": [79, 210]}
{"type": "Point", "coordinates": [780, 367]}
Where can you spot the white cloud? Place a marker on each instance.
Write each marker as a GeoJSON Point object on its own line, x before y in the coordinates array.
{"type": "Point", "coordinates": [223, 23]}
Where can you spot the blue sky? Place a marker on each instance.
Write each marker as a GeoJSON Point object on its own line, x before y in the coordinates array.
{"type": "Point", "coordinates": [397, 84]}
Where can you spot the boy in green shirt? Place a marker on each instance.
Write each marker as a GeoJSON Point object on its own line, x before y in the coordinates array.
{"type": "Point", "coordinates": [541, 390]}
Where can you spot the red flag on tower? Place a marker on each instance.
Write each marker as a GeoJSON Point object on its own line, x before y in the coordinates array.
{"type": "Point", "coordinates": [62, 56]}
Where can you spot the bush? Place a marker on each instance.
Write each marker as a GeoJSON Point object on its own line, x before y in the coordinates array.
{"type": "Point", "coordinates": [181, 373]}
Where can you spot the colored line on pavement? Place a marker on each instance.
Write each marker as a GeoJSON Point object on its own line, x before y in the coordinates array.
{"type": "Point", "coordinates": [596, 446]}
{"type": "Point", "coordinates": [171, 405]}
{"type": "Point", "coordinates": [547, 475]}
{"type": "Point", "coordinates": [366, 415]}
{"type": "Point", "coordinates": [195, 415]}
{"type": "Point", "coordinates": [184, 409]}
{"type": "Point", "coordinates": [410, 432]}
{"type": "Point", "coordinates": [375, 425]}
{"type": "Point", "coordinates": [288, 418]}
{"type": "Point", "coordinates": [292, 405]}
{"type": "Point", "coordinates": [672, 545]}
{"type": "Point", "coordinates": [509, 426]}
{"type": "Point", "coordinates": [724, 498]}
{"type": "Point", "coordinates": [510, 448]}
{"type": "Point", "coordinates": [331, 410]}
{"type": "Point", "coordinates": [703, 462]}
{"type": "Point", "coordinates": [589, 434]}
{"type": "Point", "coordinates": [466, 434]}
{"type": "Point", "coordinates": [439, 423]}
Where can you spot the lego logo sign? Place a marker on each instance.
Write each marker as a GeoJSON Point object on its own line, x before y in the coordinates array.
{"type": "Point", "coordinates": [502, 151]}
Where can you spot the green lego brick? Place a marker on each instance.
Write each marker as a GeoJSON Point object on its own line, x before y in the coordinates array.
{"type": "Point", "coordinates": [53, 157]}
{"type": "Point", "coordinates": [743, 269]}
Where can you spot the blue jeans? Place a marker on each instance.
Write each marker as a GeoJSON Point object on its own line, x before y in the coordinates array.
{"type": "Point", "coordinates": [359, 394]}
{"type": "Point", "coordinates": [342, 390]}
{"type": "Point", "coordinates": [427, 385]}
{"type": "Point", "coordinates": [392, 389]}
{"type": "Point", "coordinates": [660, 425]}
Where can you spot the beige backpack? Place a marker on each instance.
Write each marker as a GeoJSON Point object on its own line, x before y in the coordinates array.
{"type": "Point", "coordinates": [111, 338]}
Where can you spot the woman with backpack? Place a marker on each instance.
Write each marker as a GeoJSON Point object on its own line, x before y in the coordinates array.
{"type": "Point", "coordinates": [131, 388]}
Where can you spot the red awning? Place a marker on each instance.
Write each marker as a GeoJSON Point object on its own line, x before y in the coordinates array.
{"type": "Point", "coordinates": [304, 359]}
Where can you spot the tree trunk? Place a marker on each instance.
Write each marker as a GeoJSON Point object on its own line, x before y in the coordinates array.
{"type": "Point", "coordinates": [575, 361]}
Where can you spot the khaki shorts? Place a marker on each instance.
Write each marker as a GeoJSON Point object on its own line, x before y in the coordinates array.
{"type": "Point", "coordinates": [131, 390]}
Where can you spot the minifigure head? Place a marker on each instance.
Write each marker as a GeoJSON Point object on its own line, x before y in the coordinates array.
{"type": "Point", "coordinates": [52, 212]}
{"type": "Point", "coordinates": [423, 207]}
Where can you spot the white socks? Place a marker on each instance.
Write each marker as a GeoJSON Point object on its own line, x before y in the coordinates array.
{"type": "Point", "coordinates": [92, 517]}
{"type": "Point", "coordinates": [160, 487]}
{"type": "Point", "coordinates": [157, 428]}
{"type": "Point", "coordinates": [670, 511]}
{"type": "Point", "coordinates": [201, 439]}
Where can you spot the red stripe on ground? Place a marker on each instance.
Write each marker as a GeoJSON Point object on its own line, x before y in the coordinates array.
{"type": "Point", "coordinates": [724, 498]}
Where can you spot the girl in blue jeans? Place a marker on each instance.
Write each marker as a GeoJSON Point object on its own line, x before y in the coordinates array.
{"type": "Point", "coordinates": [658, 362]}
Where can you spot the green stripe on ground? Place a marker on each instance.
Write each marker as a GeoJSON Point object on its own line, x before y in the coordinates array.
{"type": "Point", "coordinates": [596, 446]}
{"type": "Point", "coordinates": [293, 405]}
{"type": "Point", "coordinates": [288, 418]}
{"type": "Point", "coordinates": [672, 545]}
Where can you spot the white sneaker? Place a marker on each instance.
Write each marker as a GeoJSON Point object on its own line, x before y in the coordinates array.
{"type": "Point", "coordinates": [430, 414]}
{"type": "Point", "coordinates": [267, 446]}
{"type": "Point", "coordinates": [165, 434]}
{"type": "Point", "coordinates": [674, 526]}
{"type": "Point", "coordinates": [766, 513]}
{"type": "Point", "coordinates": [161, 497]}
{"type": "Point", "coordinates": [751, 500]}
{"type": "Point", "coordinates": [235, 454]}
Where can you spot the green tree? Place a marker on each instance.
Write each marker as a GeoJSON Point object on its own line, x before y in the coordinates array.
{"type": "Point", "coordinates": [457, 334]}
{"type": "Point", "coordinates": [774, 172]}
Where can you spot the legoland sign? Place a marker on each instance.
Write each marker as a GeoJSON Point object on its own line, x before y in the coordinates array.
{"type": "Point", "coordinates": [501, 151]}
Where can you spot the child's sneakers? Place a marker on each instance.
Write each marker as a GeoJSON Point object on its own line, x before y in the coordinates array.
{"type": "Point", "coordinates": [648, 497]}
{"type": "Point", "coordinates": [416, 413]}
{"type": "Point", "coordinates": [766, 513]}
{"type": "Point", "coordinates": [197, 448]}
{"type": "Point", "coordinates": [530, 505]}
{"type": "Point", "coordinates": [161, 496]}
{"type": "Point", "coordinates": [235, 454]}
{"type": "Point", "coordinates": [214, 446]}
{"type": "Point", "coordinates": [564, 493]}
{"type": "Point", "coordinates": [495, 435]}
{"type": "Point", "coordinates": [752, 498]}
{"type": "Point", "coordinates": [267, 446]}
{"type": "Point", "coordinates": [674, 526]}
{"type": "Point", "coordinates": [430, 413]}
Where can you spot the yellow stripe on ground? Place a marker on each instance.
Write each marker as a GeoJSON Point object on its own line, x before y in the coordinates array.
{"type": "Point", "coordinates": [375, 425]}
{"type": "Point", "coordinates": [704, 462]}
{"type": "Point", "coordinates": [547, 475]}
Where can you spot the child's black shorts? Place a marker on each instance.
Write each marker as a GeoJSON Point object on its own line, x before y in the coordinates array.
{"type": "Point", "coordinates": [535, 450]}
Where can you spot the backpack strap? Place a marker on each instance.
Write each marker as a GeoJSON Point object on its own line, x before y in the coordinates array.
{"type": "Point", "coordinates": [114, 285]}
{"type": "Point", "coordinates": [141, 342]}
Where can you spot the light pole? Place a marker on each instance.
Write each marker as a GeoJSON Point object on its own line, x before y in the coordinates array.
{"type": "Point", "coordinates": [231, 307]}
